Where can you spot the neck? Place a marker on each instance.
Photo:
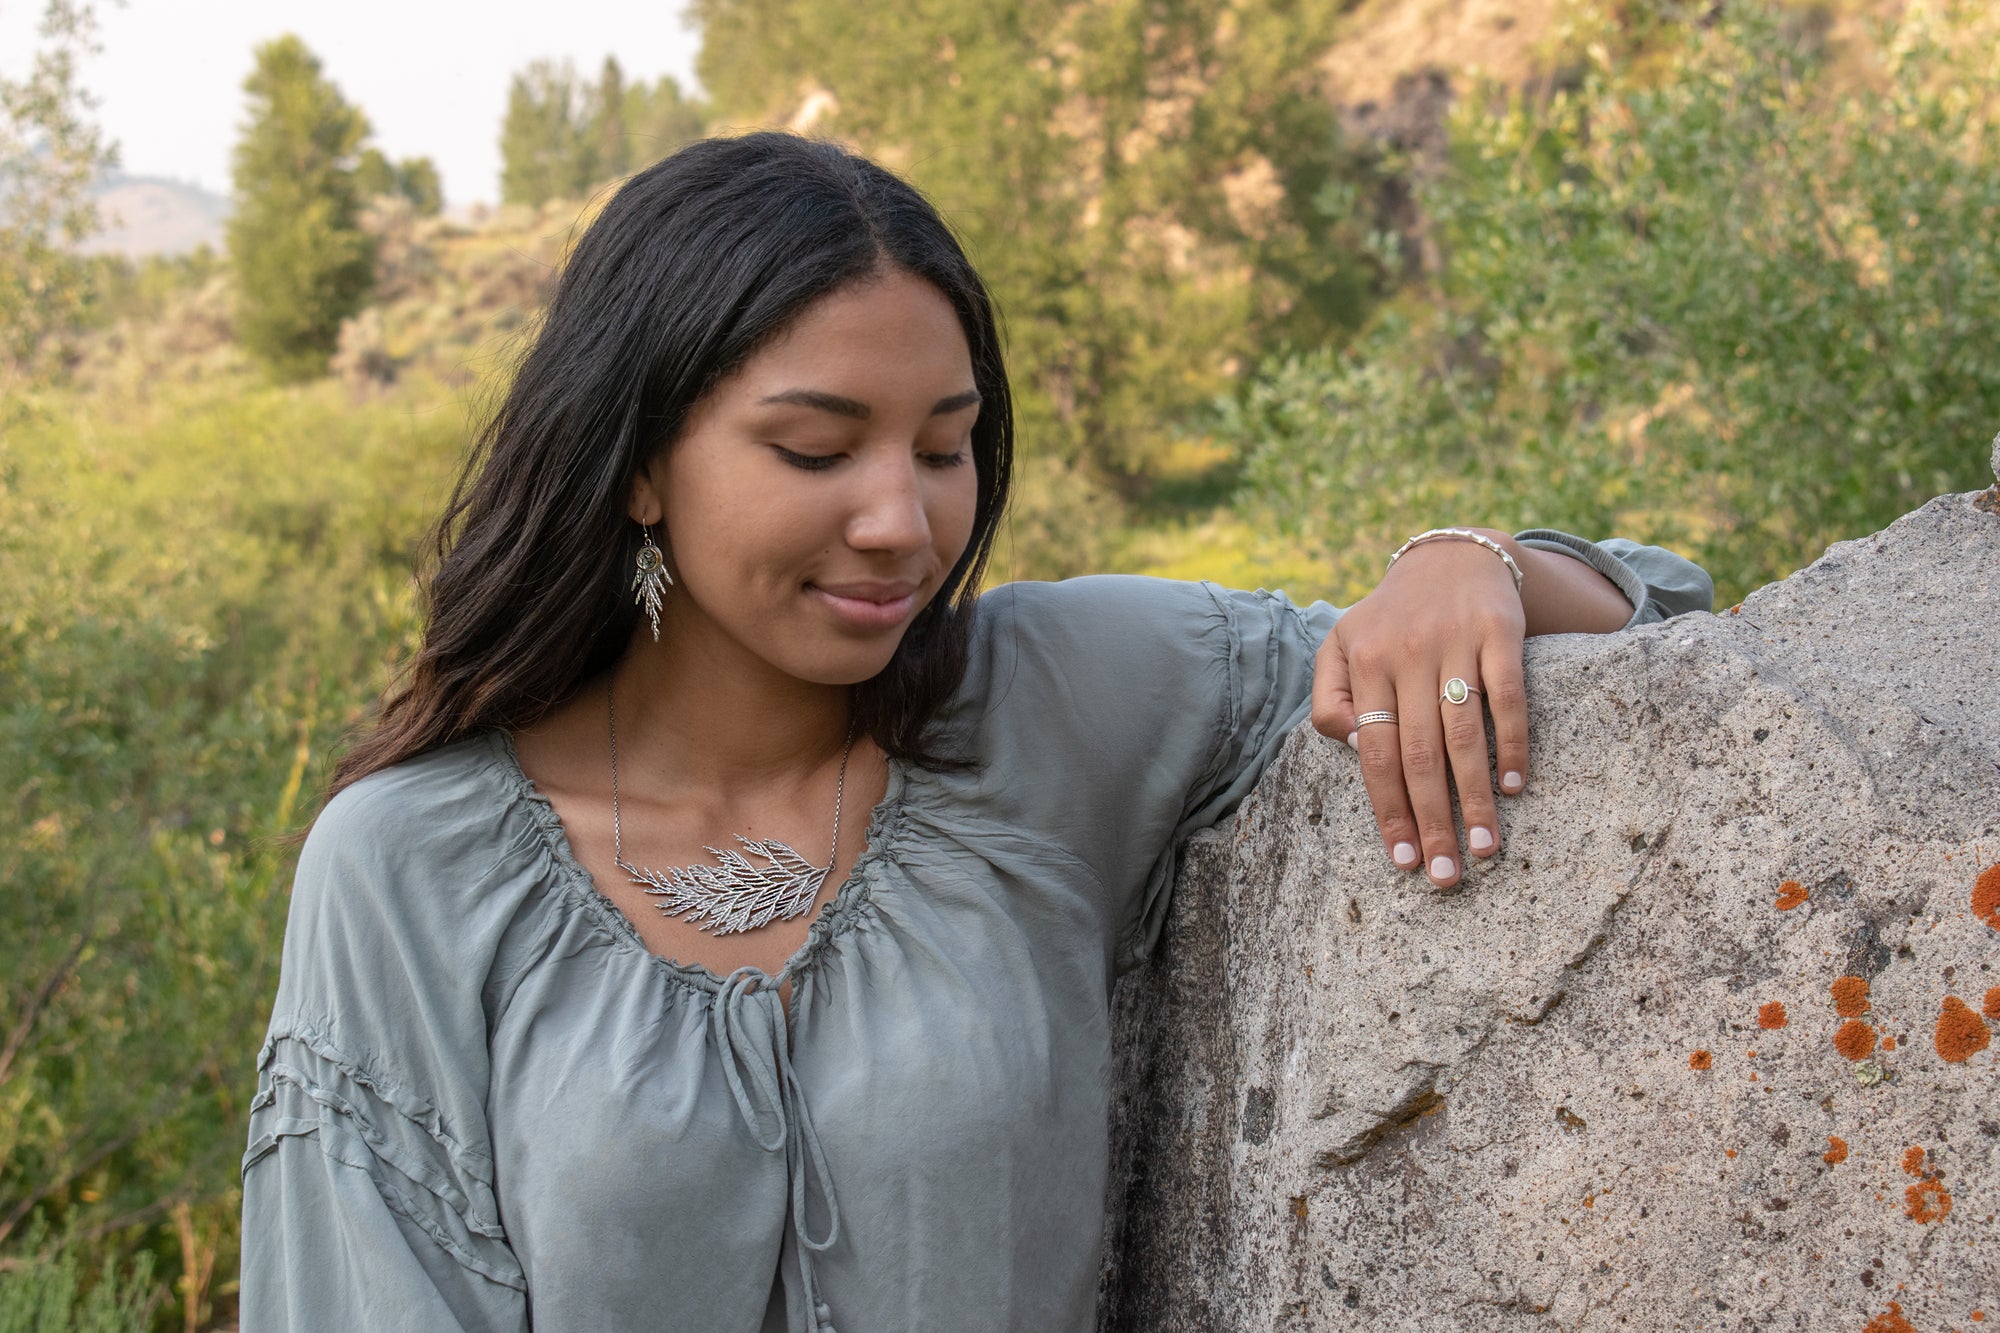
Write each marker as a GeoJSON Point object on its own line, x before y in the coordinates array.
{"type": "Point", "coordinates": [687, 717]}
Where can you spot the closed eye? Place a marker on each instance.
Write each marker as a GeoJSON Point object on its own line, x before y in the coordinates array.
{"type": "Point", "coordinates": [806, 462]}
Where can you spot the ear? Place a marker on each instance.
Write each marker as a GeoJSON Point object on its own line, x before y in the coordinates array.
{"type": "Point", "coordinates": [645, 504]}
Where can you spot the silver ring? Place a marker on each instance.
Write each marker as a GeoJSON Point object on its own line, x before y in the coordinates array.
{"type": "Point", "coordinates": [1456, 691]}
{"type": "Point", "coordinates": [1366, 718]}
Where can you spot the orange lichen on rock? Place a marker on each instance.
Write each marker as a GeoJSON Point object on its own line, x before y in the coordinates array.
{"type": "Point", "coordinates": [1888, 1043]}
{"type": "Point", "coordinates": [1855, 1040]}
{"type": "Point", "coordinates": [1913, 1160]}
{"type": "Point", "coordinates": [1701, 1060]}
{"type": "Point", "coordinates": [1927, 1202]}
{"type": "Point", "coordinates": [1992, 1005]}
{"type": "Point", "coordinates": [1790, 894]}
{"type": "Point", "coordinates": [1986, 896]}
{"type": "Point", "coordinates": [1961, 1034]}
{"type": "Point", "coordinates": [1836, 1150]}
{"type": "Point", "coordinates": [1890, 1322]}
{"type": "Point", "coordinates": [1729, 1153]}
{"type": "Point", "coordinates": [1771, 1015]}
{"type": "Point", "coordinates": [1850, 996]}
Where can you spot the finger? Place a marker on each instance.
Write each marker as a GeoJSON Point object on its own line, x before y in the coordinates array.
{"type": "Point", "coordinates": [1382, 775]}
{"type": "Point", "coordinates": [1507, 698]}
{"type": "Point", "coordinates": [1332, 699]}
{"type": "Point", "coordinates": [1465, 742]}
{"type": "Point", "coordinates": [1426, 776]}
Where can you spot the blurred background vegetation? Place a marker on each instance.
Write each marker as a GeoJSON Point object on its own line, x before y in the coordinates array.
{"type": "Point", "coordinates": [1282, 283]}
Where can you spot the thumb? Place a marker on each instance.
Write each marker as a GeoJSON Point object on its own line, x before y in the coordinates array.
{"type": "Point", "coordinates": [1332, 699]}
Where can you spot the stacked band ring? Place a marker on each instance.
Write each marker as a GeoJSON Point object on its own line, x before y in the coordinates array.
{"type": "Point", "coordinates": [1456, 691]}
{"type": "Point", "coordinates": [1366, 718]}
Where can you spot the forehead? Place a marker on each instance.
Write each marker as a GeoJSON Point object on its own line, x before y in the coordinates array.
{"type": "Point", "coordinates": [886, 335]}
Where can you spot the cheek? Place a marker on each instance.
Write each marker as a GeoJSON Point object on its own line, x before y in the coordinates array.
{"type": "Point", "coordinates": [953, 509]}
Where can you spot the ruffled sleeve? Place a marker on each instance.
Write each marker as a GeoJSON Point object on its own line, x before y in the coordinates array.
{"type": "Point", "coordinates": [368, 1183]}
{"type": "Point", "coordinates": [360, 1208]}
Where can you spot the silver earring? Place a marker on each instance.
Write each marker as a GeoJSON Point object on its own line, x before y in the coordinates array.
{"type": "Point", "coordinates": [651, 581]}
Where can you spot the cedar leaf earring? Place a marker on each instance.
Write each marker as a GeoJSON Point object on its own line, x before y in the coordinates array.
{"type": "Point", "coordinates": [651, 580]}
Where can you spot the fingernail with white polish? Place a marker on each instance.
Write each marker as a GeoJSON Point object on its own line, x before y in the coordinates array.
{"type": "Point", "coordinates": [1511, 781]}
{"type": "Point", "coordinates": [1442, 868]}
{"type": "Point", "coordinates": [1481, 839]}
{"type": "Point", "coordinates": [1353, 740]}
{"type": "Point", "coordinates": [1404, 854]}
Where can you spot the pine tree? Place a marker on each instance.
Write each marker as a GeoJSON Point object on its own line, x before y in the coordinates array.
{"type": "Point", "coordinates": [614, 154]}
{"type": "Point", "coordinates": [414, 178]}
{"type": "Point", "coordinates": [302, 263]}
{"type": "Point", "coordinates": [659, 119]}
{"type": "Point", "coordinates": [547, 150]}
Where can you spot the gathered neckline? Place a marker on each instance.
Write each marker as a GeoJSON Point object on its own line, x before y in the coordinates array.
{"type": "Point", "coordinates": [836, 916]}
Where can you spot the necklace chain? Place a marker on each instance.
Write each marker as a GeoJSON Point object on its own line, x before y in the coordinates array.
{"type": "Point", "coordinates": [734, 894]}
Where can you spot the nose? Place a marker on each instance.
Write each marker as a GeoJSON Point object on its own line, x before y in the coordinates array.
{"type": "Point", "coordinates": [889, 513]}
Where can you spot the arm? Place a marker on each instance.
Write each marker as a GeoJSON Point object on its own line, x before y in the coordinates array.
{"type": "Point", "coordinates": [369, 1191]}
{"type": "Point", "coordinates": [1449, 609]}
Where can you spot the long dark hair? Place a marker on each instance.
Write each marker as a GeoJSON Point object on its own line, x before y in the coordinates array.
{"type": "Point", "coordinates": [693, 266]}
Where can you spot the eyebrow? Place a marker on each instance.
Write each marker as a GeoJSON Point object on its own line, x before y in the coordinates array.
{"type": "Point", "coordinates": [859, 411]}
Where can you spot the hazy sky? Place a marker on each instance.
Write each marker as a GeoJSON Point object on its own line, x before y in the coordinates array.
{"type": "Point", "coordinates": [431, 76]}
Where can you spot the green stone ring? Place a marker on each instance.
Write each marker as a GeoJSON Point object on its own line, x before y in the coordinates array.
{"type": "Point", "coordinates": [1456, 691]}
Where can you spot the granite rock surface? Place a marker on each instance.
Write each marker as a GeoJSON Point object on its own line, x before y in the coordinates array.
{"type": "Point", "coordinates": [1708, 1046]}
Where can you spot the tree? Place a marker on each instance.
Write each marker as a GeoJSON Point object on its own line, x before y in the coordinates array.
{"type": "Point", "coordinates": [547, 149]}
{"type": "Point", "coordinates": [302, 262]}
{"type": "Point", "coordinates": [414, 178]}
{"type": "Point", "coordinates": [50, 154]}
{"type": "Point", "coordinates": [561, 136]}
{"type": "Point", "coordinates": [1152, 191]}
{"type": "Point", "coordinates": [657, 120]}
{"type": "Point", "coordinates": [614, 154]}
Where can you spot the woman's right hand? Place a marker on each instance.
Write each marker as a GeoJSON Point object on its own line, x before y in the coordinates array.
{"type": "Point", "coordinates": [1447, 610]}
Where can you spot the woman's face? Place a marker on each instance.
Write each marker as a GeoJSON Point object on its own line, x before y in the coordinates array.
{"type": "Point", "coordinates": [819, 496]}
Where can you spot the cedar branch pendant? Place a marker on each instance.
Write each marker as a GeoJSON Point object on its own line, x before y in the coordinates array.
{"type": "Point", "coordinates": [734, 894]}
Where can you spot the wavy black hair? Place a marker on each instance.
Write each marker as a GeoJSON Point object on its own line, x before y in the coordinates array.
{"type": "Point", "coordinates": [693, 266]}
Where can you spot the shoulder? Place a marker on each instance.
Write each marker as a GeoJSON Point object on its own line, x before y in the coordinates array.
{"type": "Point", "coordinates": [1098, 604]}
{"type": "Point", "coordinates": [412, 850]}
{"type": "Point", "coordinates": [1087, 657]}
{"type": "Point", "coordinates": [1112, 622]}
{"type": "Point", "coordinates": [447, 805]}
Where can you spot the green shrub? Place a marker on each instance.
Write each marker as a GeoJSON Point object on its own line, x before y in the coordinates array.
{"type": "Point", "coordinates": [1721, 304]}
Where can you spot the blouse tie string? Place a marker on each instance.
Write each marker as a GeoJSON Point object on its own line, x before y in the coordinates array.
{"type": "Point", "coordinates": [748, 1023]}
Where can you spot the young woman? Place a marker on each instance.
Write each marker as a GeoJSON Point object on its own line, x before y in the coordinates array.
{"type": "Point", "coordinates": [717, 930]}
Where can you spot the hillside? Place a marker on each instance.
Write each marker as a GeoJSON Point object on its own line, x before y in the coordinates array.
{"type": "Point", "coordinates": [150, 215]}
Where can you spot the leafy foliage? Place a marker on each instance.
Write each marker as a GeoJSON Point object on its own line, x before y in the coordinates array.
{"type": "Point", "coordinates": [302, 262]}
{"type": "Point", "coordinates": [50, 152]}
{"type": "Point", "coordinates": [1157, 194]}
{"type": "Point", "coordinates": [1720, 304]}
{"type": "Point", "coordinates": [179, 665]}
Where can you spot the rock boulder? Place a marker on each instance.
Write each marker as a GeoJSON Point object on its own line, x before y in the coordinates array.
{"type": "Point", "coordinates": [1708, 1046]}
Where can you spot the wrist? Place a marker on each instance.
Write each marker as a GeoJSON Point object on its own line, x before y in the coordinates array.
{"type": "Point", "coordinates": [1496, 544]}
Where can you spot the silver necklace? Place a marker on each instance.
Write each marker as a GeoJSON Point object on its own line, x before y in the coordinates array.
{"type": "Point", "coordinates": [733, 894]}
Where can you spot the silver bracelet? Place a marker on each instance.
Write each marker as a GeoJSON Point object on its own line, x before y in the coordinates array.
{"type": "Point", "coordinates": [1461, 534]}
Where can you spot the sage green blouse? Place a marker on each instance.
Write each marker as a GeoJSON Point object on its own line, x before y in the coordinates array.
{"type": "Point", "coordinates": [483, 1104]}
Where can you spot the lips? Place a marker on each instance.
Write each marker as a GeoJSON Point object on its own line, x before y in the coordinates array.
{"type": "Point", "coordinates": [866, 605]}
